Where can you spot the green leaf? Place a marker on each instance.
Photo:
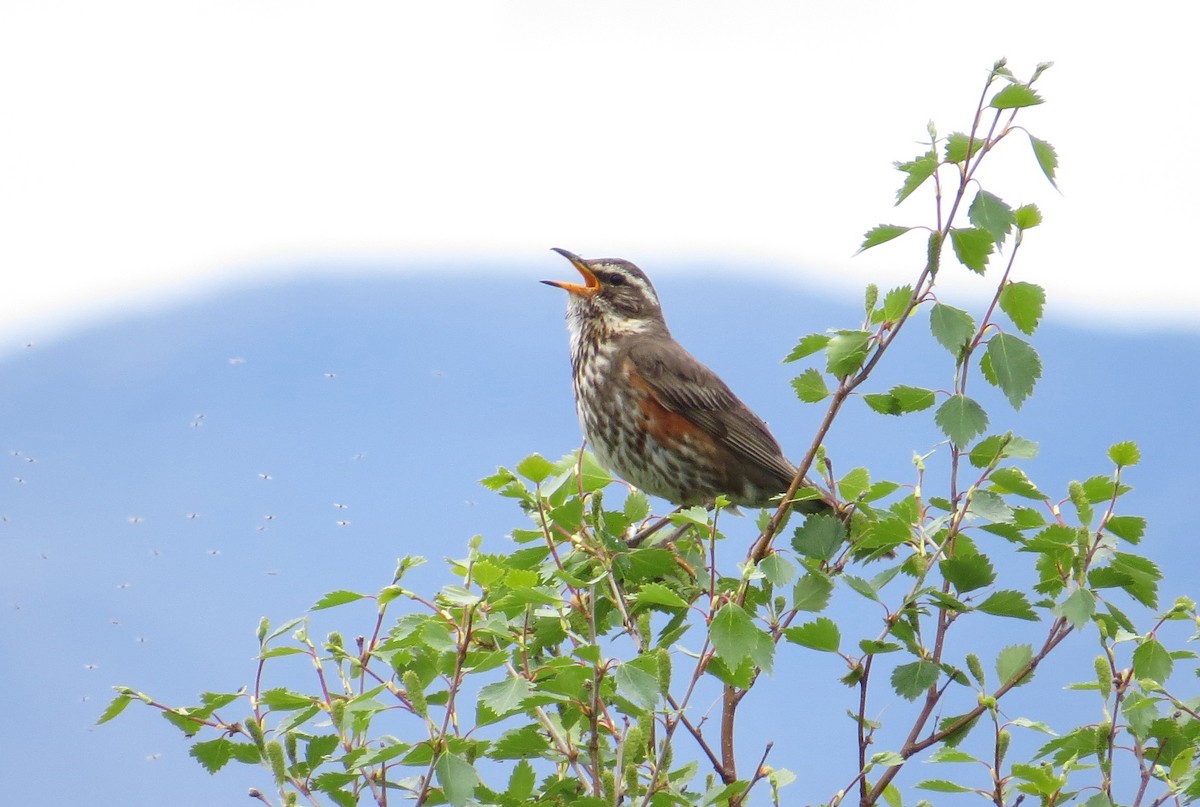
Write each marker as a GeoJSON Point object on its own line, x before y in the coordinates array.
{"type": "Point", "coordinates": [895, 303]}
{"type": "Point", "coordinates": [520, 784]}
{"type": "Point", "coordinates": [733, 634]}
{"type": "Point", "coordinates": [912, 399]}
{"type": "Point", "coordinates": [280, 699]}
{"type": "Point", "coordinates": [988, 505]}
{"type": "Point", "coordinates": [457, 778]}
{"type": "Point", "coordinates": [944, 786]}
{"type": "Point", "coordinates": [1023, 303]}
{"type": "Point", "coordinates": [972, 246]}
{"type": "Point", "coordinates": [807, 346]}
{"type": "Point", "coordinates": [959, 147]}
{"type": "Point", "coordinates": [1008, 603]}
{"type": "Point", "coordinates": [335, 598]}
{"type": "Point", "coordinates": [506, 696]}
{"type": "Point", "coordinates": [213, 754]}
{"type": "Point", "coordinates": [1078, 608]}
{"type": "Point", "coordinates": [114, 708]}
{"type": "Point", "coordinates": [854, 484]}
{"type": "Point", "coordinates": [535, 468]}
{"type": "Point", "coordinates": [1124, 454]}
{"type": "Point", "coordinates": [637, 506]}
{"type": "Point", "coordinates": [911, 680]}
{"type": "Point", "coordinates": [527, 741]}
{"type": "Point", "coordinates": [1012, 660]}
{"type": "Point", "coordinates": [1136, 575]}
{"type": "Point", "coordinates": [873, 646]}
{"type": "Point", "coordinates": [658, 594]}
{"type": "Point", "coordinates": [1014, 480]}
{"type": "Point", "coordinates": [812, 592]}
{"type": "Point", "coordinates": [1015, 96]}
{"type": "Point", "coordinates": [1026, 217]}
{"type": "Point", "coordinates": [918, 170]}
{"type": "Point", "coordinates": [1047, 158]}
{"type": "Point", "coordinates": [883, 403]}
{"type": "Point", "coordinates": [778, 570]}
{"type": "Point", "coordinates": [989, 212]}
{"type": "Point", "coordinates": [862, 586]}
{"type": "Point", "coordinates": [810, 386]}
{"type": "Point", "coordinates": [948, 754]}
{"type": "Point", "coordinates": [1151, 660]}
{"type": "Point", "coordinates": [961, 419]}
{"type": "Point", "coordinates": [881, 234]}
{"type": "Point", "coordinates": [846, 352]}
{"type": "Point", "coordinates": [1130, 528]}
{"type": "Point", "coordinates": [1015, 365]}
{"type": "Point", "coordinates": [638, 685]}
{"type": "Point", "coordinates": [968, 572]}
{"type": "Point", "coordinates": [821, 634]}
{"type": "Point", "coordinates": [952, 327]}
{"type": "Point", "coordinates": [819, 537]}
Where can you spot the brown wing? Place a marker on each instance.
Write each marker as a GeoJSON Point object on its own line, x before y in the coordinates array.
{"type": "Point", "coordinates": [685, 386]}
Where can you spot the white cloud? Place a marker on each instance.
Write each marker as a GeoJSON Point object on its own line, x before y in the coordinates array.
{"type": "Point", "coordinates": [151, 146]}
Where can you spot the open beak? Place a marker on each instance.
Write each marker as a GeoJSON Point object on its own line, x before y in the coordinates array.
{"type": "Point", "coordinates": [591, 285]}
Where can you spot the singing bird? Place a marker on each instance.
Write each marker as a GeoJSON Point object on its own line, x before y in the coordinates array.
{"type": "Point", "coordinates": [652, 413]}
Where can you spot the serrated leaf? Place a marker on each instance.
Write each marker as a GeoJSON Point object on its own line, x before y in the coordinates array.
{"type": "Point", "coordinates": [778, 570]}
{"type": "Point", "coordinates": [213, 754]}
{"type": "Point", "coordinates": [638, 685]}
{"type": "Point", "coordinates": [968, 572]}
{"type": "Point", "coordinates": [505, 696]}
{"type": "Point", "coordinates": [862, 586]}
{"type": "Point", "coordinates": [846, 352]}
{"type": "Point", "coordinates": [535, 468]}
{"type": "Point", "coordinates": [1015, 96]}
{"type": "Point", "coordinates": [1129, 528]}
{"type": "Point", "coordinates": [335, 598]}
{"type": "Point", "coordinates": [1151, 660]}
{"type": "Point", "coordinates": [733, 633]}
{"type": "Point", "coordinates": [988, 505]}
{"type": "Point", "coordinates": [1078, 608]}
{"type": "Point", "coordinates": [658, 594]}
{"type": "Point", "coordinates": [1008, 603]}
{"type": "Point", "coordinates": [114, 708]}
{"type": "Point", "coordinates": [960, 147]}
{"type": "Point", "coordinates": [855, 483]}
{"type": "Point", "coordinates": [1023, 303]}
{"type": "Point", "coordinates": [952, 327]}
{"type": "Point", "coordinates": [1015, 366]}
{"type": "Point", "coordinates": [636, 507]}
{"type": "Point", "coordinates": [918, 170]}
{"type": "Point", "coordinates": [895, 303]}
{"type": "Point", "coordinates": [883, 403]}
{"type": "Point", "coordinates": [911, 680]}
{"type": "Point", "coordinates": [280, 699]}
{"type": "Point", "coordinates": [943, 786]}
{"type": "Point", "coordinates": [1012, 660]}
{"type": "Point", "coordinates": [819, 537]}
{"type": "Point", "coordinates": [807, 346]}
{"type": "Point", "coordinates": [972, 246]}
{"type": "Point", "coordinates": [821, 634]}
{"type": "Point", "coordinates": [521, 782]}
{"type": "Point", "coordinates": [1124, 454]}
{"type": "Point", "coordinates": [989, 212]}
{"type": "Point", "coordinates": [810, 386]}
{"type": "Point", "coordinates": [948, 754]}
{"type": "Point", "coordinates": [874, 646]}
{"type": "Point", "coordinates": [912, 399]}
{"type": "Point", "coordinates": [457, 778]}
{"type": "Point", "coordinates": [1026, 217]}
{"type": "Point", "coordinates": [1047, 158]}
{"type": "Point", "coordinates": [812, 592]}
{"type": "Point", "coordinates": [1014, 480]}
{"type": "Point", "coordinates": [881, 234]}
{"type": "Point", "coordinates": [961, 419]}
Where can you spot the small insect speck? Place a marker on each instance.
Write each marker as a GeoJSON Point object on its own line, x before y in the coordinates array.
{"type": "Point", "coordinates": [124, 585]}
{"type": "Point", "coordinates": [214, 552]}
{"type": "Point", "coordinates": [91, 666]}
{"type": "Point", "coordinates": [358, 456]}
{"type": "Point", "coordinates": [152, 757]}
{"type": "Point", "coordinates": [341, 506]}
{"type": "Point", "coordinates": [193, 516]}
{"type": "Point", "coordinates": [31, 459]}
{"type": "Point", "coordinates": [19, 480]}
{"type": "Point", "coordinates": [135, 519]}
{"type": "Point", "coordinates": [331, 375]}
{"type": "Point", "coordinates": [265, 477]}
{"type": "Point", "coordinates": [261, 528]}
{"type": "Point", "coordinates": [237, 361]}
{"type": "Point", "coordinates": [343, 523]}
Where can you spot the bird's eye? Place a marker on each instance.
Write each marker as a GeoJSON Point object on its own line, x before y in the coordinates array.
{"type": "Point", "coordinates": [613, 279]}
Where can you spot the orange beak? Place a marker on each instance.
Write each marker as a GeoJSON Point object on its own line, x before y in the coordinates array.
{"type": "Point", "coordinates": [591, 282]}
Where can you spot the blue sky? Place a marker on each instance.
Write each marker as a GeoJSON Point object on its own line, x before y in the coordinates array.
{"type": "Point", "coordinates": [438, 377]}
{"type": "Point", "coordinates": [211, 206]}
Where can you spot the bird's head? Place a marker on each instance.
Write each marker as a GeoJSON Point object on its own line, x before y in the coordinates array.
{"type": "Point", "coordinates": [613, 291]}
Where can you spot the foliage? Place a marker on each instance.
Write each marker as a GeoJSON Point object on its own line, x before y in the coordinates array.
{"type": "Point", "coordinates": [566, 671]}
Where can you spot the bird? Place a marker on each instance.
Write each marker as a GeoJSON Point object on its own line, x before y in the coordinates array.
{"type": "Point", "coordinates": [652, 413]}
